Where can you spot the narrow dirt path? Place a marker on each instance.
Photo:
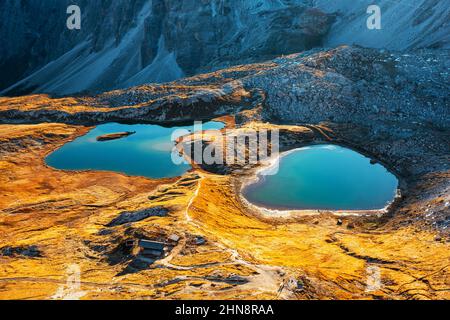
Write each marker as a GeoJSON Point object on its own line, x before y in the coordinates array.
{"type": "Point", "coordinates": [267, 279]}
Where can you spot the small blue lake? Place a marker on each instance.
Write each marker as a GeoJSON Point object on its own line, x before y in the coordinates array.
{"type": "Point", "coordinates": [147, 153]}
{"type": "Point", "coordinates": [324, 177]}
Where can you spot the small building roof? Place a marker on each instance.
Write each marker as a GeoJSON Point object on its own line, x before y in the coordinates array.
{"type": "Point", "coordinates": [153, 245]}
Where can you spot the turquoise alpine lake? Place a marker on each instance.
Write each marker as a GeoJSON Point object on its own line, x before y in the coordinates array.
{"type": "Point", "coordinates": [323, 177]}
{"type": "Point", "coordinates": [147, 152]}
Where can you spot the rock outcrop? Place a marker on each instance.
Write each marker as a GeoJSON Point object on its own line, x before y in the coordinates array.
{"type": "Point", "coordinates": [127, 217]}
{"type": "Point", "coordinates": [23, 252]}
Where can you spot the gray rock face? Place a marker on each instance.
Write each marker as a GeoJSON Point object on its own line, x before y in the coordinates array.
{"type": "Point", "coordinates": [131, 42]}
{"type": "Point", "coordinates": [405, 24]}
{"type": "Point", "coordinates": [124, 43]}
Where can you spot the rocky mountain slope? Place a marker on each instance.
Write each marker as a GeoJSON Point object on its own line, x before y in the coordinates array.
{"type": "Point", "coordinates": [139, 41]}
{"type": "Point", "coordinates": [125, 43]}
{"type": "Point", "coordinates": [405, 24]}
{"type": "Point", "coordinates": [346, 84]}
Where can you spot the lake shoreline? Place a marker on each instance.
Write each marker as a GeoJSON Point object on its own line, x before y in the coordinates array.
{"type": "Point", "coordinates": [138, 155]}
{"type": "Point", "coordinates": [256, 176]}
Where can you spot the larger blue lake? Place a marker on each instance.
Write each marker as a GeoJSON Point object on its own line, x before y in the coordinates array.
{"type": "Point", "coordinates": [324, 177]}
{"type": "Point", "coordinates": [147, 153]}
